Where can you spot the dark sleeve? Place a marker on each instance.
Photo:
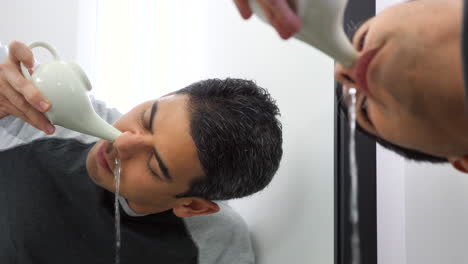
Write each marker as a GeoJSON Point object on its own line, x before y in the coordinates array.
{"type": "Point", "coordinates": [7, 247]}
{"type": "Point", "coordinates": [464, 46]}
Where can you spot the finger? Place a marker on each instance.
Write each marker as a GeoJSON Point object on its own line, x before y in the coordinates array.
{"type": "Point", "coordinates": [244, 8]}
{"type": "Point", "coordinates": [21, 108]}
{"type": "Point", "coordinates": [12, 110]}
{"type": "Point", "coordinates": [285, 17]}
{"type": "Point", "coordinates": [48, 128]}
{"type": "Point", "coordinates": [6, 108]}
{"type": "Point", "coordinates": [32, 95]}
{"type": "Point", "coordinates": [268, 12]}
{"type": "Point", "coordinates": [19, 52]}
{"type": "Point", "coordinates": [279, 29]}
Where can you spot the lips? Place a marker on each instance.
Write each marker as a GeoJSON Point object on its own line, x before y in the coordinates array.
{"type": "Point", "coordinates": [362, 68]}
{"type": "Point", "coordinates": [101, 157]}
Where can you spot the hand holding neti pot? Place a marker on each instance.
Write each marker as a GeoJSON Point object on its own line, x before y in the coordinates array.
{"type": "Point", "coordinates": [322, 27]}
{"type": "Point", "coordinates": [66, 86]}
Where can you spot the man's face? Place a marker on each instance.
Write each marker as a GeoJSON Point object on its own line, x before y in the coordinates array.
{"type": "Point", "coordinates": [413, 86]}
{"type": "Point", "coordinates": [158, 156]}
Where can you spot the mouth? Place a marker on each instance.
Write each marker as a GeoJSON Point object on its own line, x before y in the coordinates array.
{"type": "Point", "coordinates": [362, 69]}
{"type": "Point", "coordinates": [102, 160]}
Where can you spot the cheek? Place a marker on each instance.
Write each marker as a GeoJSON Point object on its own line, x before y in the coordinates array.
{"type": "Point", "coordinates": [404, 129]}
{"type": "Point", "coordinates": [139, 184]}
{"type": "Point", "coordinates": [391, 123]}
{"type": "Point", "coordinates": [394, 70]}
{"type": "Point", "coordinates": [138, 188]}
{"type": "Point", "coordinates": [91, 164]}
{"type": "Point", "coordinates": [134, 175]}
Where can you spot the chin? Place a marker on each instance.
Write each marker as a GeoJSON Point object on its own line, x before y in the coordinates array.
{"type": "Point", "coordinates": [94, 176]}
{"type": "Point", "coordinates": [99, 182]}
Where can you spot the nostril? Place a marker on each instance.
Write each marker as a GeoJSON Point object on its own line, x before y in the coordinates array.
{"type": "Point", "coordinates": [347, 78]}
{"type": "Point", "coordinates": [109, 148]}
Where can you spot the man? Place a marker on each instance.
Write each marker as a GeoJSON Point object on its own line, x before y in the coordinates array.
{"type": "Point", "coordinates": [410, 80]}
{"type": "Point", "coordinates": [213, 140]}
{"type": "Point", "coordinates": [410, 77]}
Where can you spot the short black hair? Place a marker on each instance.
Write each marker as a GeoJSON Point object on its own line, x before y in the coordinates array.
{"type": "Point", "coordinates": [407, 153]}
{"type": "Point", "coordinates": [238, 137]}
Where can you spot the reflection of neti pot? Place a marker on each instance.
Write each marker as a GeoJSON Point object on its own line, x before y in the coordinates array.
{"type": "Point", "coordinates": [322, 27]}
{"type": "Point", "coordinates": [65, 85]}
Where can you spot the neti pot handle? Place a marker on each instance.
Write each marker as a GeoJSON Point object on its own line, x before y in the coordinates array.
{"type": "Point", "coordinates": [44, 45]}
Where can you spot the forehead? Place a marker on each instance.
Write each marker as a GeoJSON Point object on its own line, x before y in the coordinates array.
{"type": "Point", "coordinates": [419, 23]}
{"type": "Point", "coordinates": [415, 10]}
{"type": "Point", "coordinates": [396, 12]}
{"type": "Point", "coordinates": [173, 113]}
{"type": "Point", "coordinates": [172, 136]}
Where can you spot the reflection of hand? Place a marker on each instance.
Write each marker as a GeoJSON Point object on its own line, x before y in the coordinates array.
{"type": "Point", "coordinates": [278, 13]}
{"type": "Point", "coordinates": [18, 96]}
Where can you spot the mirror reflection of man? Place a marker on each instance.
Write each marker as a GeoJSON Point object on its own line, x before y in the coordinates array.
{"type": "Point", "coordinates": [181, 155]}
{"type": "Point", "coordinates": [411, 76]}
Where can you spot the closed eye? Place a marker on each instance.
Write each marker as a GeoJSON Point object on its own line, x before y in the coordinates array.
{"type": "Point", "coordinates": [150, 169]}
{"type": "Point", "coordinates": [142, 119]}
{"type": "Point", "coordinates": [148, 161]}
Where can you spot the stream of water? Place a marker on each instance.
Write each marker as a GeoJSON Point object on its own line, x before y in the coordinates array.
{"type": "Point", "coordinates": [117, 211]}
{"type": "Point", "coordinates": [354, 209]}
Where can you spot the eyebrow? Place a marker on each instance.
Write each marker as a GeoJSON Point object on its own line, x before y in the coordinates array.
{"type": "Point", "coordinates": [162, 166]}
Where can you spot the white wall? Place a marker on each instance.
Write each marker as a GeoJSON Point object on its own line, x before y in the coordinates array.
{"type": "Point", "coordinates": [422, 209]}
{"type": "Point", "coordinates": [148, 48]}
{"type": "Point", "coordinates": [67, 25]}
{"type": "Point", "coordinates": [29, 21]}
{"type": "Point", "coordinates": [436, 214]}
{"type": "Point", "coordinates": [391, 226]}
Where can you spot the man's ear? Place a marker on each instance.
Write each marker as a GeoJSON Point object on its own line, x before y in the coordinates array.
{"type": "Point", "coordinates": [460, 163]}
{"type": "Point", "coordinates": [195, 206]}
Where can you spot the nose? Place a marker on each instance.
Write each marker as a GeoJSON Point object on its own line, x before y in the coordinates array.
{"type": "Point", "coordinates": [129, 143]}
{"type": "Point", "coordinates": [345, 76]}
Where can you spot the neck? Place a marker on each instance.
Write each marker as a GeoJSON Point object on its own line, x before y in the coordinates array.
{"type": "Point", "coordinates": [145, 209]}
